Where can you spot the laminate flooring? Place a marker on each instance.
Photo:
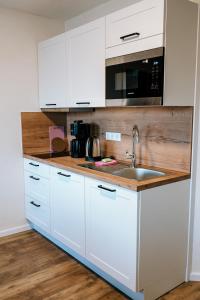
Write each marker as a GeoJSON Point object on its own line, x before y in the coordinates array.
{"type": "Point", "coordinates": [32, 268]}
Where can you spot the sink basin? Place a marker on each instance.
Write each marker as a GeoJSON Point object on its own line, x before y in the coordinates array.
{"type": "Point", "coordinates": [138, 173]}
{"type": "Point", "coordinates": [123, 170]}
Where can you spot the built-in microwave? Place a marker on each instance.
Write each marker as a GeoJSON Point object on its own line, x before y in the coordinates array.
{"type": "Point", "coordinates": [135, 79]}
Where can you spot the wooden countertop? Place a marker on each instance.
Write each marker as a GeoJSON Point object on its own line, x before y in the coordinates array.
{"type": "Point", "coordinates": [72, 164]}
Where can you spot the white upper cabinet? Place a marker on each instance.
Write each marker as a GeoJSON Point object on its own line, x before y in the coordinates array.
{"type": "Point", "coordinates": [135, 28]}
{"type": "Point", "coordinates": [86, 64]}
{"type": "Point", "coordinates": [53, 73]}
{"type": "Point", "coordinates": [72, 65]}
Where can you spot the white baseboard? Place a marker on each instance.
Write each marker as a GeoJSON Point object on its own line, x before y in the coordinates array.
{"type": "Point", "coordinates": [14, 230]}
{"type": "Point", "coordinates": [194, 276]}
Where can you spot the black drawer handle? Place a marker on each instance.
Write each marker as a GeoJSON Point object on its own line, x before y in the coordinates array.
{"type": "Point", "coordinates": [34, 178]}
{"type": "Point", "coordinates": [34, 204]}
{"type": "Point", "coordinates": [83, 103]}
{"type": "Point", "coordinates": [61, 174]}
{"type": "Point", "coordinates": [33, 165]}
{"type": "Point", "coordinates": [106, 189]}
{"type": "Point", "coordinates": [129, 36]}
{"type": "Point", "coordinates": [50, 104]}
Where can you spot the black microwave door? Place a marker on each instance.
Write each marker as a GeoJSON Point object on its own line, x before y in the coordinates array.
{"type": "Point", "coordinates": [132, 82]}
{"type": "Point", "coordinates": [115, 82]}
{"type": "Point", "coordinates": [144, 79]}
{"type": "Point", "coordinates": [138, 79]}
{"type": "Point", "coordinates": [129, 80]}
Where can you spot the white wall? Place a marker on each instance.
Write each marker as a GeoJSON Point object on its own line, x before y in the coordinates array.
{"type": "Point", "coordinates": [98, 12]}
{"type": "Point", "coordinates": [19, 34]}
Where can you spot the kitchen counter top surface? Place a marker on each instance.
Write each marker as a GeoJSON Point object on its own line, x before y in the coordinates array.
{"type": "Point", "coordinates": [72, 164]}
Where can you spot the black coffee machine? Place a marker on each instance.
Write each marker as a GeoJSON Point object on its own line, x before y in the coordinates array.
{"type": "Point", "coordinates": [78, 145]}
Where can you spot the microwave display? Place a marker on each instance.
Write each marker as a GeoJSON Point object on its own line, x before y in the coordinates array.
{"type": "Point", "coordinates": [140, 82]}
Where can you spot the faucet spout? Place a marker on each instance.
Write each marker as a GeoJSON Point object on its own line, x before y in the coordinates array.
{"type": "Point", "coordinates": [136, 138]}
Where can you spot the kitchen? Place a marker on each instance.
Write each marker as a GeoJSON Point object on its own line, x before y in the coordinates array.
{"type": "Point", "coordinates": [120, 97]}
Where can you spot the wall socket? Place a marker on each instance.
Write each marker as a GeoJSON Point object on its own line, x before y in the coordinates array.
{"type": "Point", "coordinates": [113, 136]}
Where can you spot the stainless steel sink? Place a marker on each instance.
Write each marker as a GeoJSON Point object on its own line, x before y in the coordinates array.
{"type": "Point", "coordinates": [122, 170]}
{"type": "Point", "coordinates": [138, 173]}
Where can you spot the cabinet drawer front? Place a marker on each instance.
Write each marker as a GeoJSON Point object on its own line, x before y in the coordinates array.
{"type": "Point", "coordinates": [36, 167]}
{"type": "Point", "coordinates": [38, 213]}
{"type": "Point", "coordinates": [65, 175]}
{"type": "Point", "coordinates": [139, 21]}
{"type": "Point", "coordinates": [108, 189]}
{"type": "Point", "coordinates": [37, 187]}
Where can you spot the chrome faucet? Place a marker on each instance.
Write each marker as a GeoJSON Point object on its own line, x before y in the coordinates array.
{"type": "Point", "coordinates": [135, 136]}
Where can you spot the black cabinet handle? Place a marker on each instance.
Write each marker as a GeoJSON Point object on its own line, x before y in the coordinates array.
{"type": "Point", "coordinates": [84, 103]}
{"type": "Point", "coordinates": [34, 165]}
{"type": "Point", "coordinates": [51, 104]}
{"type": "Point", "coordinates": [106, 189]}
{"type": "Point", "coordinates": [129, 36]}
{"type": "Point", "coordinates": [34, 178]}
{"type": "Point", "coordinates": [34, 204]}
{"type": "Point", "coordinates": [61, 174]}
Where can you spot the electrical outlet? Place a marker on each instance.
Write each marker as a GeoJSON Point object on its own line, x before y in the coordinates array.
{"type": "Point", "coordinates": [118, 137]}
{"type": "Point", "coordinates": [108, 136]}
{"type": "Point", "coordinates": [113, 136]}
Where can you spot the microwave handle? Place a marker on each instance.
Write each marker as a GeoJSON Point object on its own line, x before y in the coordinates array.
{"type": "Point", "coordinates": [130, 36]}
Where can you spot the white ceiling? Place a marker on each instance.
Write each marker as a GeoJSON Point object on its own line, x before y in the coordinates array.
{"type": "Point", "coordinates": [61, 9]}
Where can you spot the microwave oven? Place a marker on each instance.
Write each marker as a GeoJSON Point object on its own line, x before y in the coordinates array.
{"type": "Point", "coordinates": [135, 79]}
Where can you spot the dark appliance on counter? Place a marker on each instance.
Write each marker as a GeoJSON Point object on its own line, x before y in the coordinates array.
{"type": "Point", "coordinates": [135, 79]}
{"type": "Point", "coordinates": [81, 131]}
{"type": "Point", "coordinates": [93, 151]}
{"type": "Point", "coordinates": [49, 155]}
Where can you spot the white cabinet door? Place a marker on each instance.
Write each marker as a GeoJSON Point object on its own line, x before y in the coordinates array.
{"type": "Point", "coordinates": [86, 64]}
{"type": "Point", "coordinates": [68, 209]}
{"type": "Point", "coordinates": [111, 230]}
{"type": "Point", "coordinates": [53, 73]}
{"type": "Point", "coordinates": [129, 27]}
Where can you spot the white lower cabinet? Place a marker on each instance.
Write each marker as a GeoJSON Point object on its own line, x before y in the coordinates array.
{"type": "Point", "coordinates": [111, 230]}
{"type": "Point", "coordinates": [138, 240]}
{"type": "Point", "coordinates": [37, 192]}
{"type": "Point", "coordinates": [68, 209]}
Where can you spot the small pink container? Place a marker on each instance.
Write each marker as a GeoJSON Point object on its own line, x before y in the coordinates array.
{"type": "Point", "coordinates": [102, 164]}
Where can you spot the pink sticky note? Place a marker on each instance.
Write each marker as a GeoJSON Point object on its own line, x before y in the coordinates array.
{"type": "Point", "coordinates": [56, 132]}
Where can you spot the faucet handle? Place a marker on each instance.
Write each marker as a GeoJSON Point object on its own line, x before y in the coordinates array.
{"type": "Point", "coordinates": [128, 155]}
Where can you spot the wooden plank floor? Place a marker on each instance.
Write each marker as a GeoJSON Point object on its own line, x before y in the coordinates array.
{"type": "Point", "coordinates": [31, 268]}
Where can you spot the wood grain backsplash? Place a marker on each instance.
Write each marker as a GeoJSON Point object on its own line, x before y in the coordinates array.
{"type": "Point", "coordinates": [35, 130]}
{"type": "Point", "coordinates": [165, 134]}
